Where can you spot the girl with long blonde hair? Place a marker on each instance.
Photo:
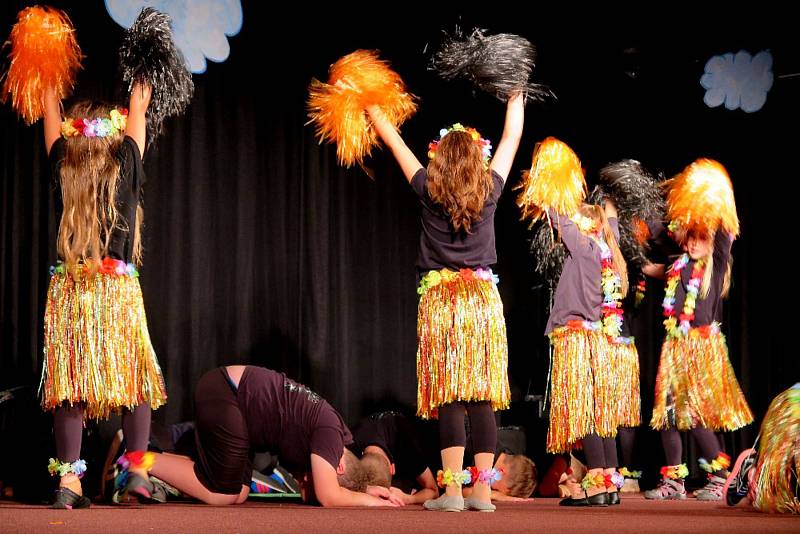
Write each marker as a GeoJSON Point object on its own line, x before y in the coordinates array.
{"type": "Point", "coordinates": [98, 358]}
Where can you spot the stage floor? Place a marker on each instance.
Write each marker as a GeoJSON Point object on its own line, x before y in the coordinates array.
{"type": "Point", "coordinates": [635, 514]}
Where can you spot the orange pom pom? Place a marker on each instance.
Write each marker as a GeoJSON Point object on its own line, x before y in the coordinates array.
{"type": "Point", "coordinates": [44, 53]}
{"type": "Point", "coordinates": [555, 181]}
{"type": "Point", "coordinates": [337, 108]}
{"type": "Point", "coordinates": [640, 231]}
{"type": "Point", "coordinates": [701, 198]}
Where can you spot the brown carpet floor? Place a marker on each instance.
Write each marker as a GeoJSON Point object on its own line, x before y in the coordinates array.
{"type": "Point", "coordinates": [635, 514]}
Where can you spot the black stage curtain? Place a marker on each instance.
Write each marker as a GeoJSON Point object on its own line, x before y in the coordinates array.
{"type": "Point", "coordinates": [261, 250]}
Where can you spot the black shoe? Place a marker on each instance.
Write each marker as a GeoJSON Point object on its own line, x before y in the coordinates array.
{"type": "Point", "coordinates": [613, 498]}
{"type": "Point", "coordinates": [569, 501]}
{"type": "Point", "coordinates": [66, 499]}
{"type": "Point", "coordinates": [601, 499]}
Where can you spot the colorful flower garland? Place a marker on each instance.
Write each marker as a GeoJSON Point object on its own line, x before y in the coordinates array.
{"type": "Point", "coordinates": [625, 472]}
{"type": "Point", "coordinates": [445, 276]}
{"type": "Point", "coordinates": [593, 481]}
{"type": "Point", "coordinates": [675, 471]}
{"type": "Point", "coordinates": [470, 475]}
{"type": "Point", "coordinates": [116, 122]}
{"type": "Point", "coordinates": [89, 266]}
{"type": "Point", "coordinates": [611, 283]}
{"type": "Point", "coordinates": [57, 467]}
{"type": "Point", "coordinates": [721, 462]}
{"type": "Point", "coordinates": [641, 289]}
{"type": "Point", "coordinates": [675, 330]}
{"type": "Point", "coordinates": [484, 144]}
{"type": "Point", "coordinates": [448, 478]}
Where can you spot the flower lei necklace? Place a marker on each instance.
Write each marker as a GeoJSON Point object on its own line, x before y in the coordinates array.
{"type": "Point", "coordinates": [674, 329]}
{"type": "Point", "coordinates": [611, 283]}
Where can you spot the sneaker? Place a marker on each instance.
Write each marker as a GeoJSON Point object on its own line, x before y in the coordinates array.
{"type": "Point", "coordinates": [480, 506]}
{"type": "Point", "coordinates": [631, 485]}
{"type": "Point", "coordinates": [445, 503]}
{"type": "Point", "coordinates": [145, 490]}
{"type": "Point", "coordinates": [738, 483]}
{"type": "Point", "coordinates": [66, 499]}
{"type": "Point", "coordinates": [712, 491]}
{"type": "Point", "coordinates": [667, 489]}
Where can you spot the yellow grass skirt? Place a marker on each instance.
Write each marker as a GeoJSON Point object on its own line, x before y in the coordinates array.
{"type": "Point", "coordinates": [696, 385]}
{"type": "Point", "coordinates": [776, 483]}
{"type": "Point", "coordinates": [462, 351]}
{"type": "Point", "coordinates": [625, 369]}
{"type": "Point", "coordinates": [583, 400]}
{"type": "Point", "coordinates": [97, 348]}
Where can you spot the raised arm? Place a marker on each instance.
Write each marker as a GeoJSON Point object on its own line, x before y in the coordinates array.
{"type": "Point", "coordinates": [330, 493]}
{"type": "Point", "coordinates": [52, 118]}
{"type": "Point", "coordinates": [391, 137]}
{"type": "Point", "coordinates": [611, 213]}
{"type": "Point", "coordinates": [512, 133]}
{"type": "Point", "coordinates": [137, 108]}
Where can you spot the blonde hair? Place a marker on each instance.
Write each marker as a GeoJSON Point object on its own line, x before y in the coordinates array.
{"type": "Point", "coordinates": [520, 475]}
{"type": "Point", "coordinates": [88, 178]}
{"type": "Point", "coordinates": [598, 214]}
{"type": "Point", "coordinates": [708, 272]}
{"type": "Point", "coordinates": [458, 180]}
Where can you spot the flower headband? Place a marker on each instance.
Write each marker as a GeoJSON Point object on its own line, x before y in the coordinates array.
{"type": "Point", "coordinates": [100, 127]}
{"type": "Point", "coordinates": [484, 144]}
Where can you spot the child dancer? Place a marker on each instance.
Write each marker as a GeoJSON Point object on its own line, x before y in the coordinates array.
{"type": "Point", "coordinates": [462, 349]}
{"type": "Point", "coordinates": [696, 389]}
{"type": "Point", "coordinates": [585, 321]}
{"type": "Point", "coordinates": [98, 357]}
{"type": "Point", "coordinates": [770, 478]}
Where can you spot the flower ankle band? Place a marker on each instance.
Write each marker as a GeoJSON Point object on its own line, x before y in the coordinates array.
{"type": "Point", "coordinates": [137, 460]}
{"type": "Point", "coordinates": [593, 481]}
{"type": "Point", "coordinates": [57, 467]}
{"type": "Point", "coordinates": [722, 461]}
{"type": "Point", "coordinates": [675, 471]}
{"type": "Point", "coordinates": [448, 478]}
{"type": "Point", "coordinates": [485, 476]}
{"type": "Point", "coordinates": [624, 471]}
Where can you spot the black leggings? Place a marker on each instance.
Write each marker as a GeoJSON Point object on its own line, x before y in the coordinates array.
{"type": "Point", "coordinates": [68, 428]}
{"type": "Point", "coordinates": [673, 447]}
{"type": "Point", "coordinates": [483, 427]}
{"type": "Point", "coordinates": [600, 452]}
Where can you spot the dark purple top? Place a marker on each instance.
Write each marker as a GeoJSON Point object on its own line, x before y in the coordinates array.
{"type": "Point", "coordinates": [440, 246]}
{"type": "Point", "coordinates": [129, 190]}
{"type": "Point", "coordinates": [289, 419]}
{"type": "Point", "coordinates": [707, 310]}
{"type": "Point", "coordinates": [579, 295]}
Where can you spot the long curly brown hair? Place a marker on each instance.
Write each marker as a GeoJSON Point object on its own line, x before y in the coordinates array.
{"type": "Point", "coordinates": [88, 179]}
{"type": "Point", "coordinates": [458, 180]}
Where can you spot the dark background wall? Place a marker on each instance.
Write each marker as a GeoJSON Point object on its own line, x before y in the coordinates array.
{"type": "Point", "coordinates": [260, 249]}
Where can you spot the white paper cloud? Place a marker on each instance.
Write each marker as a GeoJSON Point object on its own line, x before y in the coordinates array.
{"type": "Point", "coordinates": [200, 27]}
{"type": "Point", "coordinates": [738, 81]}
